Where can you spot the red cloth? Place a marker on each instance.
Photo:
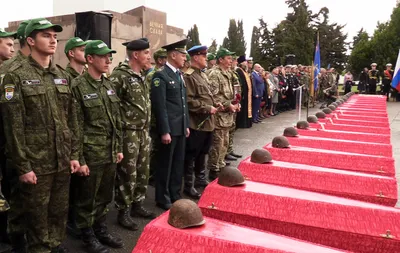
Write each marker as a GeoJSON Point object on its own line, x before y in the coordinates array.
{"type": "Point", "coordinates": [357, 128]}
{"type": "Point", "coordinates": [359, 117]}
{"type": "Point", "coordinates": [366, 148]}
{"type": "Point", "coordinates": [366, 137]}
{"type": "Point", "coordinates": [336, 222]}
{"type": "Point", "coordinates": [354, 185]}
{"type": "Point", "coordinates": [377, 165]}
{"type": "Point", "coordinates": [217, 236]}
{"type": "Point", "coordinates": [361, 122]}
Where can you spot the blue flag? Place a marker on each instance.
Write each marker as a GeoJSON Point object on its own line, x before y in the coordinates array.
{"type": "Point", "coordinates": [317, 65]}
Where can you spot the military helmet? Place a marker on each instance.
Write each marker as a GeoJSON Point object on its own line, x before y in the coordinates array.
{"type": "Point", "coordinates": [302, 124]}
{"type": "Point", "coordinates": [261, 156]}
{"type": "Point", "coordinates": [290, 132]}
{"type": "Point", "coordinates": [280, 142]}
{"type": "Point", "coordinates": [335, 104]}
{"type": "Point", "coordinates": [230, 176]}
{"type": "Point", "coordinates": [332, 107]}
{"type": "Point", "coordinates": [320, 115]}
{"type": "Point", "coordinates": [185, 213]}
{"type": "Point", "coordinates": [341, 101]}
{"type": "Point", "coordinates": [327, 111]}
{"type": "Point", "coordinates": [312, 119]}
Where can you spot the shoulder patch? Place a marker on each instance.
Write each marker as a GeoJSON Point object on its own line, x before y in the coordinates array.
{"type": "Point", "coordinates": [189, 71]}
{"type": "Point", "coordinates": [9, 91]}
{"type": "Point", "coordinates": [156, 82]}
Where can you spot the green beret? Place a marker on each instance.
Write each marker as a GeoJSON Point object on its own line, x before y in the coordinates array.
{"type": "Point", "coordinates": [211, 56]}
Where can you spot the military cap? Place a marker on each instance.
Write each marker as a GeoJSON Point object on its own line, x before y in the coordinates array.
{"type": "Point", "coordinates": [97, 47]}
{"type": "Point", "coordinates": [320, 115]}
{"type": "Point", "coordinates": [389, 65]}
{"type": "Point", "coordinates": [21, 30]}
{"type": "Point", "coordinates": [374, 64]}
{"type": "Point", "coordinates": [261, 156]}
{"type": "Point", "coordinates": [73, 43]}
{"type": "Point", "coordinates": [230, 176]}
{"type": "Point", "coordinates": [211, 56]}
{"type": "Point", "coordinates": [241, 59]}
{"type": "Point", "coordinates": [160, 53]}
{"type": "Point", "coordinates": [280, 142]}
{"type": "Point", "coordinates": [179, 46]}
{"type": "Point", "coordinates": [196, 50]}
{"type": "Point", "coordinates": [312, 119]}
{"type": "Point", "coordinates": [222, 52]}
{"type": "Point", "coordinates": [290, 132]}
{"type": "Point", "coordinates": [137, 45]}
{"type": "Point", "coordinates": [302, 125]}
{"type": "Point", "coordinates": [4, 34]}
{"type": "Point", "coordinates": [40, 24]}
{"type": "Point", "coordinates": [185, 213]}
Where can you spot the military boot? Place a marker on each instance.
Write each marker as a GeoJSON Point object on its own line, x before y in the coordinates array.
{"type": "Point", "coordinates": [189, 189]}
{"type": "Point", "coordinates": [18, 243]}
{"type": "Point", "coordinates": [200, 172]}
{"type": "Point", "coordinates": [213, 175]}
{"type": "Point", "coordinates": [125, 220]}
{"type": "Point", "coordinates": [138, 210]}
{"type": "Point", "coordinates": [91, 243]}
{"type": "Point", "coordinates": [101, 232]}
{"type": "Point", "coordinates": [5, 248]}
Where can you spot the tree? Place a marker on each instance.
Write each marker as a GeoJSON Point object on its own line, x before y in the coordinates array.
{"type": "Point", "coordinates": [361, 36]}
{"type": "Point", "coordinates": [235, 41]}
{"type": "Point", "coordinates": [255, 46]}
{"type": "Point", "coordinates": [268, 56]}
{"type": "Point", "coordinates": [213, 47]}
{"type": "Point", "coordinates": [193, 37]}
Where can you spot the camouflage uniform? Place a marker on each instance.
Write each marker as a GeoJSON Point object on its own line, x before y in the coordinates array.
{"type": "Point", "coordinates": [221, 87]}
{"type": "Point", "coordinates": [100, 128]}
{"type": "Point", "coordinates": [40, 126]}
{"type": "Point", "coordinates": [322, 85]}
{"type": "Point", "coordinates": [71, 71]}
{"type": "Point", "coordinates": [237, 90]}
{"type": "Point", "coordinates": [133, 172]}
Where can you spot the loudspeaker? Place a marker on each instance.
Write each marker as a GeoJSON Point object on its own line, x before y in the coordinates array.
{"type": "Point", "coordinates": [94, 26]}
{"type": "Point", "coordinates": [290, 59]}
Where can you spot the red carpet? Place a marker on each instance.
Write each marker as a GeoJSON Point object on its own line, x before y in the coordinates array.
{"type": "Point", "coordinates": [378, 165]}
{"type": "Point", "coordinates": [336, 222]}
{"type": "Point", "coordinates": [353, 185]}
{"type": "Point", "coordinates": [217, 236]}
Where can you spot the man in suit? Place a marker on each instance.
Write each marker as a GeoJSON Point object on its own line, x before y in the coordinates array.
{"type": "Point", "coordinates": [169, 105]}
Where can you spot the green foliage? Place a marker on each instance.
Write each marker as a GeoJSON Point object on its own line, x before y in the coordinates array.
{"type": "Point", "coordinates": [235, 41]}
{"type": "Point", "coordinates": [213, 47]}
{"type": "Point", "coordinates": [193, 37]}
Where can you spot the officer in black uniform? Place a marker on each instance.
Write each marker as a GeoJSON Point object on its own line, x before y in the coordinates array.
{"type": "Point", "coordinates": [387, 80]}
{"type": "Point", "coordinates": [373, 79]}
{"type": "Point", "coordinates": [169, 105]}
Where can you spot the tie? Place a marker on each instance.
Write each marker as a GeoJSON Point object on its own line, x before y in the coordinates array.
{"type": "Point", "coordinates": [178, 75]}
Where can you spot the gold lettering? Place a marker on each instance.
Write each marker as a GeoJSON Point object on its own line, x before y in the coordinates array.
{"type": "Point", "coordinates": [156, 28]}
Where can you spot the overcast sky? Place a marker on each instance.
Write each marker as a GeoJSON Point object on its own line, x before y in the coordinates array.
{"type": "Point", "coordinates": [212, 16]}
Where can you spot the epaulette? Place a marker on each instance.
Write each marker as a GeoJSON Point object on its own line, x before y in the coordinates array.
{"type": "Point", "coordinates": [15, 66]}
{"type": "Point", "coordinates": [160, 69]}
{"type": "Point", "coordinates": [189, 71]}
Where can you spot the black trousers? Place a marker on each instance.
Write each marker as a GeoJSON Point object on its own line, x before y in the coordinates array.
{"type": "Point", "coordinates": [170, 159]}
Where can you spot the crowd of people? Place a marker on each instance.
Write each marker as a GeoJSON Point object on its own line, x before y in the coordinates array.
{"type": "Point", "coordinates": [73, 138]}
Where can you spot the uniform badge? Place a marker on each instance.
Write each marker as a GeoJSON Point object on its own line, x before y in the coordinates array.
{"type": "Point", "coordinates": [156, 82]}
{"type": "Point", "coordinates": [30, 82]}
{"type": "Point", "coordinates": [61, 81]}
{"type": "Point", "coordinates": [110, 92]}
{"type": "Point", "coordinates": [9, 91]}
{"type": "Point", "coordinates": [90, 96]}
{"type": "Point", "coordinates": [132, 80]}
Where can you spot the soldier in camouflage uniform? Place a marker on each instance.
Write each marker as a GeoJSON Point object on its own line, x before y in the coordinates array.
{"type": "Point", "coordinates": [75, 52]}
{"type": "Point", "coordinates": [101, 137]}
{"type": "Point", "coordinates": [323, 83]}
{"type": "Point", "coordinates": [41, 130]}
{"type": "Point", "coordinates": [221, 85]}
{"type": "Point", "coordinates": [133, 172]}
{"type": "Point", "coordinates": [160, 58]}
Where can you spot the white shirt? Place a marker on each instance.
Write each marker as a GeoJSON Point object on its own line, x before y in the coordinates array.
{"type": "Point", "coordinates": [171, 67]}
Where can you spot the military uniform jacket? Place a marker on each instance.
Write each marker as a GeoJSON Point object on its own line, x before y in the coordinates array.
{"type": "Point", "coordinates": [99, 120]}
{"type": "Point", "coordinates": [387, 77]}
{"type": "Point", "coordinates": [71, 71]}
{"type": "Point", "coordinates": [373, 77]}
{"type": "Point", "coordinates": [8, 64]}
{"type": "Point", "coordinates": [221, 87]}
{"type": "Point", "coordinates": [135, 97]}
{"type": "Point", "coordinates": [323, 82]}
{"type": "Point", "coordinates": [199, 99]}
{"type": "Point", "coordinates": [40, 121]}
{"type": "Point", "coordinates": [168, 101]}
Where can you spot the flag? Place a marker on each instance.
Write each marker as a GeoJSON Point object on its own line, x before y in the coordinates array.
{"type": "Point", "coordinates": [317, 64]}
{"type": "Point", "coordinates": [396, 78]}
{"type": "Point", "coordinates": [329, 66]}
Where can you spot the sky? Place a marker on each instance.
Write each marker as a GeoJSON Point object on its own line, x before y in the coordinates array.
{"type": "Point", "coordinates": [212, 16]}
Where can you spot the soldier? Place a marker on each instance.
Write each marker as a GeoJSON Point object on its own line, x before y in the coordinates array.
{"type": "Point", "coordinates": [40, 127]}
{"type": "Point", "coordinates": [168, 102]}
{"type": "Point", "coordinates": [75, 52]}
{"type": "Point", "coordinates": [15, 218]}
{"type": "Point", "coordinates": [373, 79]}
{"type": "Point", "coordinates": [201, 121]}
{"type": "Point", "coordinates": [133, 172]}
{"type": "Point", "coordinates": [222, 89]}
{"type": "Point", "coordinates": [387, 80]}
{"type": "Point", "coordinates": [363, 81]}
{"type": "Point", "coordinates": [160, 58]}
{"type": "Point", "coordinates": [6, 45]}
{"type": "Point", "coordinates": [101, 138]}
{"type": "Point", "coordinates": [186, 66]}
{"type": "Point", "coordinates": [322, 84]}
{"type": "Point", "coordinates": [211, 61]}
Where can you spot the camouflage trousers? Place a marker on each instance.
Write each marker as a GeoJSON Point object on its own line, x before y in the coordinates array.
{"type": "Point", "coordinates": [219, 147]}
{"type": "Point", "coordinates": [133, 172]}
{"type": "Point", "coordinates": [46, 210]}
{"type": "Point", "coordinates": [232, 131]}
{"type": "Point", "coordinates": [155, 146]}
{"type": "Point", "coordinates": [93, 194]}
